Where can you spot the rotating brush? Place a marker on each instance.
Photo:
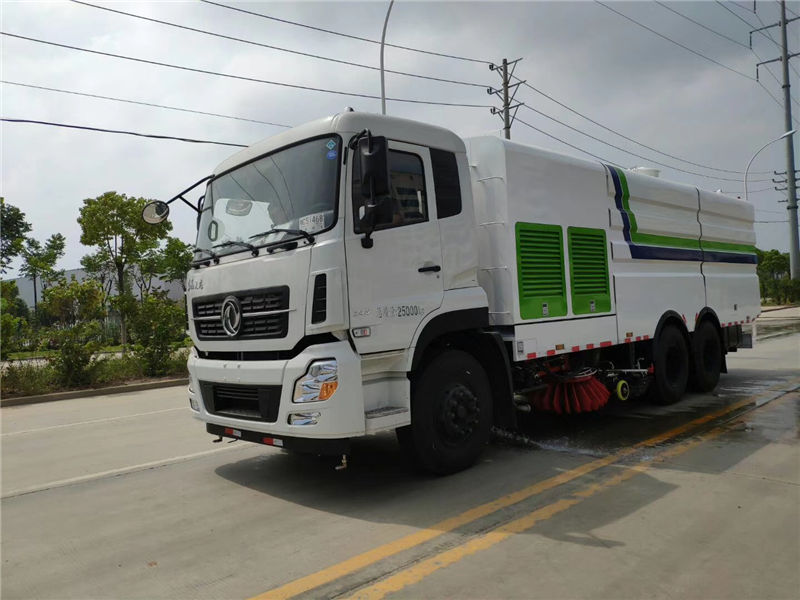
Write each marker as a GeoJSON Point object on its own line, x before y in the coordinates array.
{"type": "Point", "coordinates": [572, 395]}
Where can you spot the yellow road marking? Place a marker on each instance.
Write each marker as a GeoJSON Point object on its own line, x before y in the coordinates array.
{"type": "Point", "coordinates": [360, 561]}
{"type": "Point", "coordinates": [420, 570]}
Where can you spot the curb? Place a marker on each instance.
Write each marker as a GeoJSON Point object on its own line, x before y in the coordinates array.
{"type": "Point", "coordinates": [116, 389]}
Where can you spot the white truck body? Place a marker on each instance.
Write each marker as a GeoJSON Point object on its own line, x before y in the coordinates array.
{"type": "Point", "coordinates": [640, 250]}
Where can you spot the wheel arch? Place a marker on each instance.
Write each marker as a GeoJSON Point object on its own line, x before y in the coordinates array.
{"type": "Point", "coordinates": [671, 317]}
{"type": "Point", "coordinates": [466, 332]}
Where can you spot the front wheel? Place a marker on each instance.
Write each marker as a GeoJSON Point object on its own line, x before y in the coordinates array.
{"type": "Point", "coordinates": [451, 414]}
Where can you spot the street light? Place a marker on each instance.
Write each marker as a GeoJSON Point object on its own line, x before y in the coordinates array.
{"type": "Point", "coordinates": [383, 40]}
{"type": "Point", "coordinates": [785, 135]}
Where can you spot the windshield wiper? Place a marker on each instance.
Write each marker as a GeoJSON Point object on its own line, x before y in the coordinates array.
{"type": "Point", "coordinates": [210, 253]}
{"type": "Point", "coordinates": [305, 234]}
{"type": "Point", "coordinates": [250, 247]}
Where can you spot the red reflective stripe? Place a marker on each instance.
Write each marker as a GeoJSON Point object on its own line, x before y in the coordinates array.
{"type": "Point", "coordinates": [605, 344]}
{"type": "Point", "coordinates": [576, 348]}
{"type": "Point", "coordinates": [268, 441]}
{"type": "Point", "coordinates": [551, 352]}
{"type": "Point", "coordinates": [647, 337]}
{"type": "Point", "coordinates": [532, 355]}
{"type": "Point", "coordinates": [229, 431]}
{"type": "Point", "coordinates": [684, 318]}
{"type": "Point", "coordinates": [638, 338]}
{"type": "Point", "coordinates": [627, 340]}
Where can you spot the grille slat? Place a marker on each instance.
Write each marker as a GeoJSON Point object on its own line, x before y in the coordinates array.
{"type": "Point", "coordinates": [253, 327]}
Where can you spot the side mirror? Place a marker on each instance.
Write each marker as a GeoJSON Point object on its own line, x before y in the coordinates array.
{"type": "Point", "coordinates": [155, 212]}
{"type": "Point", "coordinates": [373, 155]}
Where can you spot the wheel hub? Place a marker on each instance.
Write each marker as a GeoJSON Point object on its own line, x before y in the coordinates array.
{"type": "Point", "coordinates": [460, 413]}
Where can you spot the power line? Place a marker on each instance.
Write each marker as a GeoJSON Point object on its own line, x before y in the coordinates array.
{"type": "Point", "coordinates": [600, 158]}
{"type": "Point", "coordinates": [122, 132]}
{"type": "Point", "coordinates": [271, 47]}
{"type": "Point", "coordinates": [239, 77]}
{"type": "Point", "coordinates": [128, 101]}
{"type": "Point", "coordinates": [745, 21]}
{"type": "Point", "coordinates": [622, 135]}
{"type": "Point", "coordinates": [346, 35]}
{"type": "Point", "coordinates": [669, 39]}
{"type": "Point", "coordinates": [769, 33]}
{"type": "Point", "coordinates": [597, 139]}
{"type": "Point", "coordinates": [717, 33]}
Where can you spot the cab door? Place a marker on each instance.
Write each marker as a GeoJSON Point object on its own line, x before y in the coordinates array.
{"type": "Point", "coordinates": [393, 285]}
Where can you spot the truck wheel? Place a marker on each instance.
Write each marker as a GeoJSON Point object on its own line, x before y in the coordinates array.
{"type": "Point", "coordinates": [706, 357]}
{"type": "Point", "coordinates": [671, 365]}
{"type": "Point", "coordinates": [451, 414]}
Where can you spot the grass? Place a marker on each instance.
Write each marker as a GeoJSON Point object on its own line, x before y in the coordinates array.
{"type": "Point", "coordinates": [27, 379]}
{"type": "Point", "coordinates": [51, 353]}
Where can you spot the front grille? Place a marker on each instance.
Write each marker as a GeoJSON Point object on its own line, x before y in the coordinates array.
{"type": "Point", "coordinates": [259, 321]}
{"type": "Point", "coordinates": [250, 402]}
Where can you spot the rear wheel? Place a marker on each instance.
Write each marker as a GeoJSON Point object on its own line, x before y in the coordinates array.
{"type": "Point", "coordinates": [671, 366]}
{"type": "Point", "coordinates": [451, 414]}
{"type": "Point", "coordinates": [706, 357]}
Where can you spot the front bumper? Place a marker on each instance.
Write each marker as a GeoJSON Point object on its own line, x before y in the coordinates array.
{"type": "Point", "coordinates": [341, 416]}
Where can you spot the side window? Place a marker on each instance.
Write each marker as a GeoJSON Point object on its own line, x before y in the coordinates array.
{"type": "Point", "coordinates": [446, 183]}
{"type": "Point", "coordinates": [408, 202]}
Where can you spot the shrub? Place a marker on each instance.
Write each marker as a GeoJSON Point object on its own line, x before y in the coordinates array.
{"type": "Point", "coordinates": [112, 370]}
{"type": "Point", "coordinates": [76, 347]}
{"type": "Point", "coordinates": [28, 377]}
{"type": "Point", "coordinates": [157, 324]}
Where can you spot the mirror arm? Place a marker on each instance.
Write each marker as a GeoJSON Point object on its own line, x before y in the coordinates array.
{"type": "Point", "coordinates": [179, 196]}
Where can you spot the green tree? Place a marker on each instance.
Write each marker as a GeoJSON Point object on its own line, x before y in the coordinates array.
{"type": "Point", "coordinates": [39, 262]}
{"type": "Point", "coordinates": [100, 271]}
{"type": "Point", "coordinates": [146, 271]}
{"type": "Point", "coordinates": [176, 260]}
{"type": "Point", "coordinates": [76, 307]}
{"type": "Point", "coordinates": [13, 229]}
{"type": "Point", "coordinates": [112, 223]}
{"type": "Point", "coordinates": [14, 326]}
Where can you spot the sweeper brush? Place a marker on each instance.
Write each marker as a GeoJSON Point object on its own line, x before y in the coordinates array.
{"type": "Point", "coordinates": [572, 395]}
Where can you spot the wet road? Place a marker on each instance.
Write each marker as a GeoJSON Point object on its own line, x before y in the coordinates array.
{"type": "Point", "coordinates": [125, 497]}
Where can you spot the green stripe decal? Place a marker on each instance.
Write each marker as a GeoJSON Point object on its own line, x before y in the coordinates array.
{"type": "Point", "coordinates": [666, 241]}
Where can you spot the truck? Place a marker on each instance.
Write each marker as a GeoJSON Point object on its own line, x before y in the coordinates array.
{"type": "Point", "coordinates": [365, 273]}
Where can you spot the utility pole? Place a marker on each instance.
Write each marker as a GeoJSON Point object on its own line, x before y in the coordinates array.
{"type": "Point", "coordinates": [791, 183]}
{"type": "Point", "coordinates": [506, 93]}
{"type": "Point", "coordinates": [791, 206]}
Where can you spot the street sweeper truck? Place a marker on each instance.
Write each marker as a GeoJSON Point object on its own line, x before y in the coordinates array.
{"type": "Point", "coordinates": [364, 273]}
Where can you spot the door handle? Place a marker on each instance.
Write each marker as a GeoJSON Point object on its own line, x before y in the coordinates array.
{"type": "Point", "coordinates": [430, 269]}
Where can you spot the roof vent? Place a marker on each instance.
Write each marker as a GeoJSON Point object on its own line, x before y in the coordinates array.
{"type": "Point", "coordinates": [646, 171]}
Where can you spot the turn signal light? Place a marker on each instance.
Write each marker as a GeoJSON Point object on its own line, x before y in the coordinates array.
{"type": "Point", "coordinates": [327, 389]}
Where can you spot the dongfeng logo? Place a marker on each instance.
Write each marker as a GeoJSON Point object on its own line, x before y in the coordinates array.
{"type": "Point", "coordinates": [231, 316]}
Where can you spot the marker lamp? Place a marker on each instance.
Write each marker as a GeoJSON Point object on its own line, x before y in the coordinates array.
{"type": "Point", "coordinates": [319, 383]}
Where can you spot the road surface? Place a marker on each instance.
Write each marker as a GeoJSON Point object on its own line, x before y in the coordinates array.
{"type": "Point", "coordinates": [126, 497]}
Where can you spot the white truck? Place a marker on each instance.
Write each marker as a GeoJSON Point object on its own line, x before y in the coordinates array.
{"type": "Point", "coordinates": [364, 273]}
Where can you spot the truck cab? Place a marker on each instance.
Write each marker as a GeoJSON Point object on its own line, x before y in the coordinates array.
{"type": "Point", "coordinates": [304, 334]}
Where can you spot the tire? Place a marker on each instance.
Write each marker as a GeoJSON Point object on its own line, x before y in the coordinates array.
{"type": "Point", "coordinates": [671, 366]}
{"type": "Point", "coordinates": [706, 358]}
{"type": "Point", "coordinates": [451, 414]}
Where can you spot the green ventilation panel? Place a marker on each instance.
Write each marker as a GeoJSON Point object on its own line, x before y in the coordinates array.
{"type": "Point", "coordinates": [540, 271]}
{"type": "Point", "coordinates": [588, 270]}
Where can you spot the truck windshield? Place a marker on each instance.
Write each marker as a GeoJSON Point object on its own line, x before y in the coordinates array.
{"type": "Point", "coordinates": [291, 189]}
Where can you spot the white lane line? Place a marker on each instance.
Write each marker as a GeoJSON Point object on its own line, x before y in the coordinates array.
{"type": "Point", "coordinates": [122, 471]}
{"type": "Point", "coordinates": [104, 420]}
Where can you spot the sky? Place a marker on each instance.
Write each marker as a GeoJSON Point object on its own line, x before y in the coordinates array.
{"type": "Point", "coordinates": [582, 54]}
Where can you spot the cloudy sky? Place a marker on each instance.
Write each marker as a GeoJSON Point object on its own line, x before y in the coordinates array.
{"type": "Point", "coordinates": [580, 53]}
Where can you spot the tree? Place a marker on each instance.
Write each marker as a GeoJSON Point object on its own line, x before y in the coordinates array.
{"type": "Point", "coordinates": [145, 271]}
{"type": "Point", "coordinates": [100, 271]}
{"type": "Point", "coordinates": [113, 224]}
{"type": "Point", "coordinates": [176, 260]}
{"type": "Point", "coordinates": [13, 318]}
{"type": "Point", "coordinates": [77, 307]}
{"type": "Point", "coordinates": [39, 262]}
{"type": "Point", "coordinates": [13, 229]}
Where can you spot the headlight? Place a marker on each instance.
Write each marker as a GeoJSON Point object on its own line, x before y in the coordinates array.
{"type": "Point", "coordinates": [319, 382]}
